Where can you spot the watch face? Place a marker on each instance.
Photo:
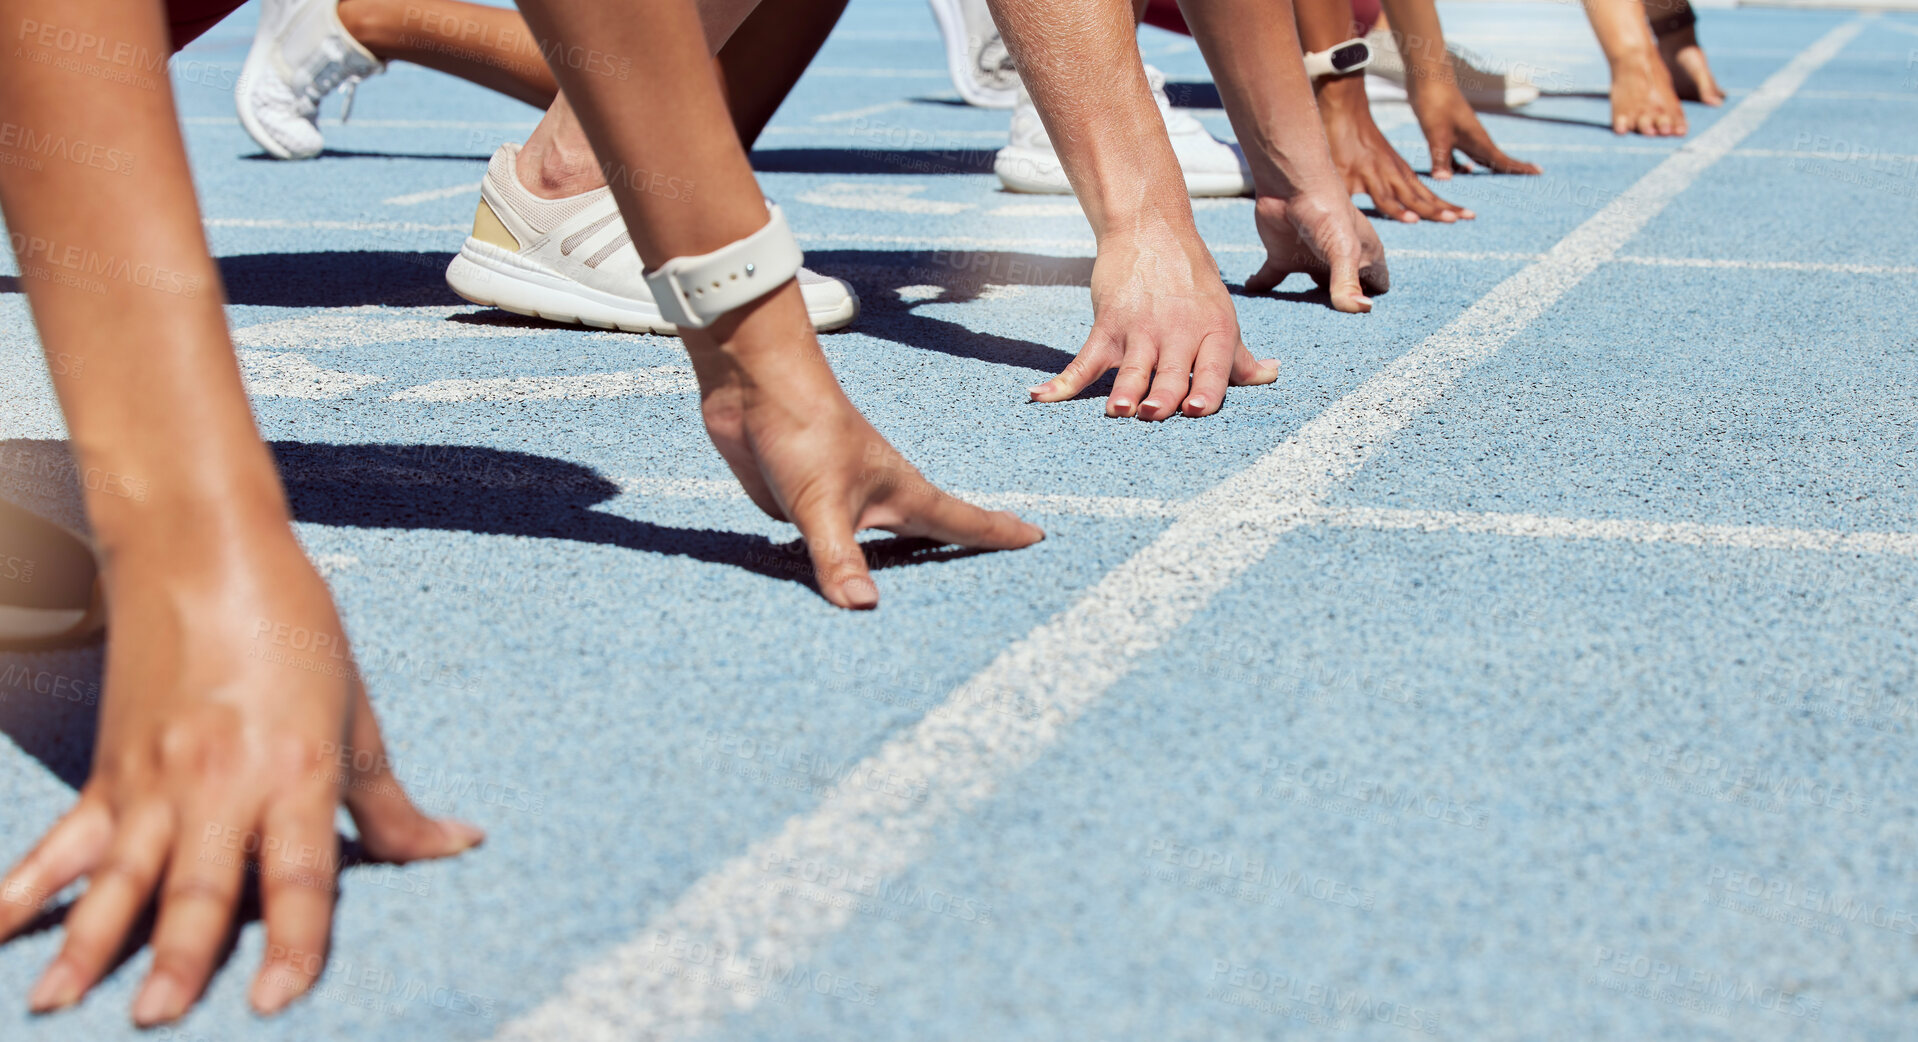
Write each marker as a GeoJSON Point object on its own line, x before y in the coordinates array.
{"type": "Point", "coordinates": [1350, 56]}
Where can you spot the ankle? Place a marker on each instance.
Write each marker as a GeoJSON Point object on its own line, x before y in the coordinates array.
{"type": "Point", "coordinates": [551, 172]}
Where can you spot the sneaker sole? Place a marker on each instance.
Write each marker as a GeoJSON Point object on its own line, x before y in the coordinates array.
{"type": "Point", "coordinates": [492, 277]}
{"type": "Point", "coordinates": [41, 629]}
{"type": "Point", "coordinates": [952, 29]}
{"type": "Point", "coordinates": [1040, 173]}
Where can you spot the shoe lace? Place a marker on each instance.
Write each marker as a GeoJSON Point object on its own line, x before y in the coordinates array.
{"type": "Point", "coordinates": [994, 59]}
{"type": "Point", "coordinates": [338, 73]}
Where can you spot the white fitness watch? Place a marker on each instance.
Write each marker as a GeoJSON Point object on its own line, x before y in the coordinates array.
{"type": "Point", "coordinates": [693, 292]}
{"type": "Point", "coordinates": [1337, 60]}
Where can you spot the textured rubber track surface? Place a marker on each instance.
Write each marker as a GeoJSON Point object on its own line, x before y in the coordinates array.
{"type": "Point", "coordinates": [1536, 659]}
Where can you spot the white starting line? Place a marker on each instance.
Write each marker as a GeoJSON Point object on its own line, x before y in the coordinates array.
{"type": "Point", "coordinates": [963, 749]}
{"type": "Point", "coordinates": [1391, 519]}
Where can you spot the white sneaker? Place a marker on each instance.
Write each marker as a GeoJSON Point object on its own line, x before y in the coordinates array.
{"type": "Point", "coordinates": [571, 260]}
{"type": "Point", "coordinates": [1211, 166]}
{"type": "Point", "coordinates": [977, 58]}
{"type": "Point", "coordinates": [1483, 89]}
{"type": "Point", "coordinates": [301, 53]}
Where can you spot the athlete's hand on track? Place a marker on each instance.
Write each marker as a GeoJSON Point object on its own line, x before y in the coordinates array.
{"type": "Point", "coordinates": [1643, 98]}
{"type": "Point", "coordinates": [806, 455]}
{"type": "Point", "coordinates": [229, 704]}
{"type": "Point", "coordinates": [1370, 163]}
{"type": "Point", "coordinates": [1161, 315]}
{"type": "Point", "coordinates": [1323, 235]}
{"type": "Point", "coordinates": [1450, 125]}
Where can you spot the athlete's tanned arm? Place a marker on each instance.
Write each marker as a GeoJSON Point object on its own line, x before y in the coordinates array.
{"type": "Point", "coordinates": [1160, 313]}
{"type": "Point", "coordinates": [218, 752]}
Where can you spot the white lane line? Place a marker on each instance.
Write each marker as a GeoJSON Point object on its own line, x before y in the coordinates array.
{"type": "Point", "coordinates": [1084, 246]}
{"type": "Point", "coordinates": [1514, 148]}
{"type": "Point", "coordinates": [880, 198]}
{"type": "Point", "coordinates": [1830, 156]}
{"type": "Point", "coordinates": [894, 136]}
{"type": "Point", "coordinates": [1069, 208]}
{"type": "Point", "coordinates": [1683, 533]}
{"type": "Point", "coordinates": [385, 124]}
{"type": "Point", "coordinates": [681, 488]}
{"type": "Point", "coordinates": [1758, 265]}
{"type": "Point", "coordinates": [370, 324]}
{"type": "Point", "coordinates": [345, 226]}
{"type": "Point", "coordinates": [1082, 506]}
{"type": "Point", "coordinates": [1517, 147]}
{"type": "Point", "coordinates": [638, 383]}
{"type": "Point", "coordinates": [951, 242]}
{"type": "Point", "coordinates": [1859, 95]}
{"type": "Point", "coordinates": [332, 565]}
{"type": "Point", "coordinates": [878, 74]}
{"type": "Point", "coordinates": [1389, 519]}
{"type": "Point", "coordinates": [432, 194]}
{"type": "Point", "coordinates": [869, 110]}
{"type": "Point", "coordinates": [271, 375]}
{"type": "Point", "coordinates": [646, 989]}
{"type": "Point", "coordinates": [1033, 502]}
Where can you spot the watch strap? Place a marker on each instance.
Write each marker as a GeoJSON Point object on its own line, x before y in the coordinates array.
{"type": "Point", "coordinates": [695, 291]}
{"type": "Point", "coordinates": [1318, 64]}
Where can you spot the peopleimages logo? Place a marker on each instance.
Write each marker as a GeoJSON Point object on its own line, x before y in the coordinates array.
{"type": "Point", "coordinates": [1238, 984]}
{"type": "Point", "coordinates": [92, 263]}
{"type": "Point", "coordinates": [26, 140]}
{"type": "Point", "coordinates": [1650, 977]}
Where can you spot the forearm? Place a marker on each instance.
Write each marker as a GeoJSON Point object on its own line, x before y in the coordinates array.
{"type": "Point", "coordinates": [124, 294]}
{"type": "Point", "coordinates": [1255, 56]}
{"type": "Point", "coordinates": [1622, 30]}
{"type": "Point", "coordinates": [1421, 43]}
{"type": "Point", "coordinates": [1080, 61]}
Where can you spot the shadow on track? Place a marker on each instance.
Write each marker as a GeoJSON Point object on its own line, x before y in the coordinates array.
{"type": "Point", "coordinates": [877, 160]}
{"type": "Point", "coordinates": [464, 488]}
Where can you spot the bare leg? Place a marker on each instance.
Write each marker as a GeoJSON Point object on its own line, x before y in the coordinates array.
{"type": "Point", "coordinates": [761, 53]}
{"type": "Point", "coordinates": [490, 46]}
{"type": "Point", "coordinates": [766, 56]}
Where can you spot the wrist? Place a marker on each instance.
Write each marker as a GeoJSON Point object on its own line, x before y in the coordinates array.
{"type": "Point", "coordinates": [768, 343]}
{"type": "Point", "coordinates": [1315, 178]}
{"type": "Point", "coordinates": [183, 505]}
{"type": "Point", "coordinates": [1636, 55]}
{"type": "Point", "coordinates": [1154, 234]}
{"type": "Point", "coordinates": [1340, 95]}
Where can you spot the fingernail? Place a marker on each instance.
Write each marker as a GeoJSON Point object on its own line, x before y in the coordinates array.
{"type": "Point", "coordinates": [1152, 403]}
{"type": "Point", "coordinates": [1196, 403]}
{"type": "Point", "coordinates": [1468, 214]}
{"type": "Point", "coordinates": [467, 836]}
{"type": "Point", "coordinates": [860, 593]}
{"type": "Point", "coordinates": [58, 989]}
{"type": "Point", "coordinates": [1039, 388]}
{"type": "Point", "coordinates": [161, 999]}
{"type": "Point", "coordinates": [274, 988]}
